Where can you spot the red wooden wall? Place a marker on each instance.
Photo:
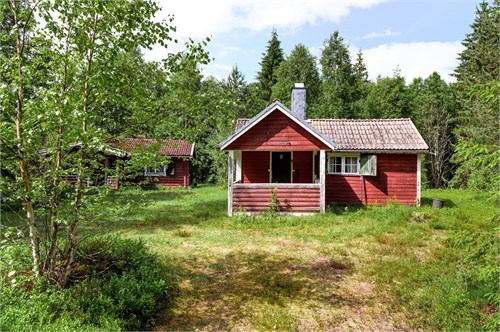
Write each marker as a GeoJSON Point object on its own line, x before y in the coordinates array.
{"type": "Point", "coordinates": [396, 180]}
{"type": "Point", "coordinates": [255, 166]}
{"type": "Point", "coordinates": [277, 132]}
{"type": "Point", "coordinates": [302, 166]}
{"type": "Point", "coordinates": [291, 198]}
{"type": "Point", "coordinates": [181, 177]}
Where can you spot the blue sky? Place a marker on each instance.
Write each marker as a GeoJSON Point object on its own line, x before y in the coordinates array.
{"type": "Point", "coordinates": [418, 37]}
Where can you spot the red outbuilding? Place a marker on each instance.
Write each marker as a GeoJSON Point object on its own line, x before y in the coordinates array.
{"type": "Point", "coordinates": [177, 173]}
{"type": "Point", "coordinates": [280, 159]}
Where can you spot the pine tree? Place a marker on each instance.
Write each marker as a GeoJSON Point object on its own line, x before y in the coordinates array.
{"type": "Point", "coordinates": [300, 67]}
{"type": "Point", "coordinates": [271, 60]}
{"type": "Point", "coordinates": [339, 82]}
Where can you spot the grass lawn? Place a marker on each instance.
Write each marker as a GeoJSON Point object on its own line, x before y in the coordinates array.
{"type": "Point", "coordinates": [377, 268]}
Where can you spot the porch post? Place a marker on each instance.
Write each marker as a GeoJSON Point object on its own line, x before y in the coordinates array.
{"type": "Point", "coordinates": [322, 178]}
{"type": "Point", "coordinates": [230, 164]}
{"type": "Point", "coordinates": [237, 162]}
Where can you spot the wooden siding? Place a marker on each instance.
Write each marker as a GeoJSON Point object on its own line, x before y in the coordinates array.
{"type": "Point", "coordinates": [291, 197]}
{"type": "Point", "coordinates": [255, 166]}
{"type": "Point", "coordinates": [302, 167]}
{"type": "Point", "coordinates": [277, 132]}
{"type": "Point", "coordinates": [396, 180]}
{"type": "Point", "coordinates": [181, 176]}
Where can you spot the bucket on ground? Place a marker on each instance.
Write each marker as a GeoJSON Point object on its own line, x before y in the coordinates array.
{"type": "Point", "coordinates": [437, 203]}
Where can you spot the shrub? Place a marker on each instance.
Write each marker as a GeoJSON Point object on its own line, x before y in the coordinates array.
{"type": "Point", "coordinates": [118, 285]}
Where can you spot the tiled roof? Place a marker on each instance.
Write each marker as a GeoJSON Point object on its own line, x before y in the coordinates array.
{"type": "Point", "coordinates": [372, 135]}
{"type": "Point", "coordinates": [368, 135]}
{"type": "Point", "coordinates": [240, 123]}
{"type": "Point", "coordinates": [174, 148]}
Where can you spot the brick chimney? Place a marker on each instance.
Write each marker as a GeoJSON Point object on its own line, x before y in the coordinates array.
{"type": "Point", "coordinates": [299, 100]}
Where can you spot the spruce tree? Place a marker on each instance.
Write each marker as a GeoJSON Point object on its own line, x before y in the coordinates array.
{"type": "Point", "coordinates": [362, 86]}
{"type": "Point", "coordinates": [271, 60]}
{"type": "Point", "coordinates": [477, 154]}
{"type": "Point", "coordinates": [237, 89]}
{"type": "Point", "coordinates": [479, 66]}
{"type": "Point", "coordinates": [360, 70]}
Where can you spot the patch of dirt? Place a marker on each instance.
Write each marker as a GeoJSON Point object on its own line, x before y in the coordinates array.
{"type": "Point", "coordinates": [249, 290]}
{"type": "Point", "coordinates": [326, 263]}
{"type": "Point", "coordinates": [289, 244]}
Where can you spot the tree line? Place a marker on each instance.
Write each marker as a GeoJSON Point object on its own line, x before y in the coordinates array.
{"type": "Point", "coordinates": [72, 72]}
{"type": "Point", "coordinates": [459, 121]}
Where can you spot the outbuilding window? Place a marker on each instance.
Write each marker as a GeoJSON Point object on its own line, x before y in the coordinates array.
{"type": "Point", "coordinates": [155, 170]}
{"type": "Point", "coordinates": [343, 164]}
{"type": "Point", "coordinates": [160, 170]}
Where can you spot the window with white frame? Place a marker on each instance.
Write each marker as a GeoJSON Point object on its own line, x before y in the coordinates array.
{"type": "Point", "coordinates": [155, 170]}
{"type": "Point", "coordinates": [343, 164]}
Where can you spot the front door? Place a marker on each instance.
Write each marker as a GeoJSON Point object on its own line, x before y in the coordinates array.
{"type": "Point", "coordinates": [281, 167]}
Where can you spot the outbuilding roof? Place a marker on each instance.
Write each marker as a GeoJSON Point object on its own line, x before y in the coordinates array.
{"type": "Point", "coordinates": [173, 148]}
{"type": "Point", "coordinates": [368, 135]}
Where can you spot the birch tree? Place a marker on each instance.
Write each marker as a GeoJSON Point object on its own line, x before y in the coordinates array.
{"type": "Point", "coordinates": [52, 117]}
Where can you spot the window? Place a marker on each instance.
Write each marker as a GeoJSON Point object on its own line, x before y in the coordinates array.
{"type": "Point", "coordinates": [343, 164]}
{"type": "Point", "coordinates": [351, 165]}
{"type": "Point", "coordinates": [170, 168]}
{"type": "Point", "coordinates": [335, 165]}
{"type": "Point", "coordinates": [155, 170]}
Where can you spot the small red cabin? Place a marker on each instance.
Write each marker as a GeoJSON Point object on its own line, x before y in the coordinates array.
{"type": "Point", "coordinates": [178, 173]}
{"type": "Point", "coordinates": [305, 165]}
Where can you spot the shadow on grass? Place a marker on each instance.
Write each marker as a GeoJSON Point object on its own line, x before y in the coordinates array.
{"type": "Point", "coordinates": [341, 209]}
{"type": "Point", "coordinates": [144, 210]}
{"type": "Point", "coordinates": [239, 286]}
{"type": "Point", "coordinates": [147, 195]}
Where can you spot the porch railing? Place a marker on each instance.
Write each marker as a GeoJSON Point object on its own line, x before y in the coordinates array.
{"type": "Point", "coordinates": [281, 197]}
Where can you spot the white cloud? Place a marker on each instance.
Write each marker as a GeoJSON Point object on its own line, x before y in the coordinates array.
{"type": "Point", "coordinates": [199, 19]}
{"type": "Point", "coordinates": [416, 59]}
{"type": "Point", "coordinates": [219, 71]}
{"type": "Point", "coordinates": [228, 49]}
{"type": "Point", "coordinates": [380, 34]}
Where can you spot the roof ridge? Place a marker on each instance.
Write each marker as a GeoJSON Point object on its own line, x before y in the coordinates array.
{"type": "Point", "coordinates": [362, 120]}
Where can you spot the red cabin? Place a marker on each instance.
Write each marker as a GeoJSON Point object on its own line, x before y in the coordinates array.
{"type": "Point", "coordinates": [296, 165]}
{"type": "Point", "coordinates": [178, 173]}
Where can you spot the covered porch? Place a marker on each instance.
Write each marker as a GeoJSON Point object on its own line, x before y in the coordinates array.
{"type": "Point", "coordinates": [290, 182]}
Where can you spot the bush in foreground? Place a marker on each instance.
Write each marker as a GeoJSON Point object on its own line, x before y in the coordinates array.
{"type": "Point", "coordinates": [118, 285]}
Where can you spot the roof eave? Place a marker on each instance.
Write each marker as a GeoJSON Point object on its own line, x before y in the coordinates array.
{"type": "Point", "coordinates": [385, 151]}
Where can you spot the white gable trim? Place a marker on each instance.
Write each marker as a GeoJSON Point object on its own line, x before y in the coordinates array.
{"type": "Point", "coordinates": [271, 108]}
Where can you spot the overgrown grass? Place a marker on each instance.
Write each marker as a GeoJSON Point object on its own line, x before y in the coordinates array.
{"type": "Point", "coordinates": [353, 268]}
